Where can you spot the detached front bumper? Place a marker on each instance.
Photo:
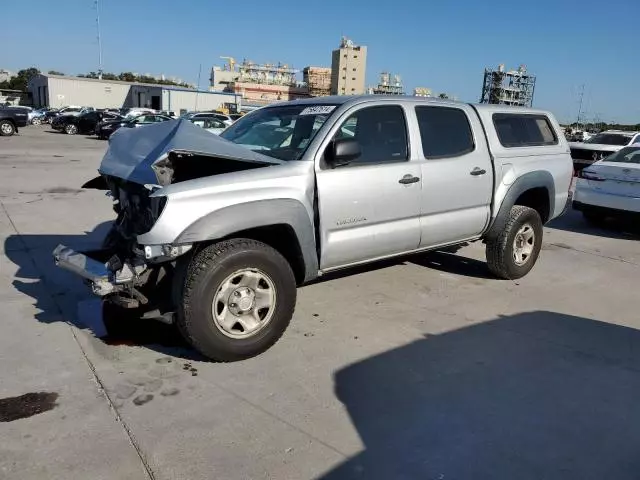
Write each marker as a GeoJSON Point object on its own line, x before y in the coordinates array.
{"type": "Point", "coordinates": [104, 278]}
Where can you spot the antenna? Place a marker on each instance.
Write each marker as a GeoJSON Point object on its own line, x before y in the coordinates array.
{"type": "Point", "coordinates": [99, 40]}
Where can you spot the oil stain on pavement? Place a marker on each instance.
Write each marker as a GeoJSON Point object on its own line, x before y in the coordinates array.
{"type": "Point", "coordinates": [27, 405]}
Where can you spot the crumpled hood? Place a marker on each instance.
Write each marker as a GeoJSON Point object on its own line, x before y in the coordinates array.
{"type": "Point", "coordinates": [133, 151]}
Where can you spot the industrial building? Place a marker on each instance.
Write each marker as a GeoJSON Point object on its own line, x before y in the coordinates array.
{"type": "Point", "coordinates": [348, 69]}
{"type": "Point", "coordinates": [318, 80]}
{"type": "Point", "coordinates": [388, 85]}
{"type": "Point", "coordinates": [422, 92]}
{"type": "Point", "coordinates": [59, 90]}
{"type": "Point", "coordinates": [258, 84]}
{"type": "Point", "coordinates": [513, 87]}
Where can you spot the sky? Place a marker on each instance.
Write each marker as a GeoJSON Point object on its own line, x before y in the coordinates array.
{"type": "Point", "coordinates": [443, 45]}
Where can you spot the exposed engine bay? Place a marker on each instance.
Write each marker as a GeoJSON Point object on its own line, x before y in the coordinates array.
{"type": "Point", "coordinates": [137, 164]}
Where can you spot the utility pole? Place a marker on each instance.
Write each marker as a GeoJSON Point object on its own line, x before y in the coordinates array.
{"type": "Point", "coordinates": [198, 87]}
{"type": "Point", "coordinates": [99, 40]}
{"type": "Point", "coordinates": [580, 107]}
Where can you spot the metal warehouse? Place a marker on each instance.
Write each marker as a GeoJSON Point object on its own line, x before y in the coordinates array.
{"type": "Point", "coordinates": [58, 90]}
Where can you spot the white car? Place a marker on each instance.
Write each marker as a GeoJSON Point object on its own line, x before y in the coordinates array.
{"type": "Point", "coordinates": [210, 124]}
{"type": "Point", "coordinates": [137, 111]}
{"type": "Point", "coordinates": [600, 146]}
{"type": "Point", "coordinates": [610, 187]}
{"type": "Point", "coordinates": [226, 119]}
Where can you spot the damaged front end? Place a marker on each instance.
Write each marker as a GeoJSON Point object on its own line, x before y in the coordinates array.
{"type": "Point", "coordinates": [138, 163]}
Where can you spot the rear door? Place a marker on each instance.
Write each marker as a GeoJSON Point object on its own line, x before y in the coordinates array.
{"type": "Point", "coordinates": [370, 208]}
{"type": "Point", "coordinates": [457, 174]}
{"type": "Point", "coordinates": [88, 121]}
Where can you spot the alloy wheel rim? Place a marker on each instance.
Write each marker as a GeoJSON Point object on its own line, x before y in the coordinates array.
{"type": "Point", "coordinates": [244, 303]}
{"type": "Point", "coordinates": [523, 244]}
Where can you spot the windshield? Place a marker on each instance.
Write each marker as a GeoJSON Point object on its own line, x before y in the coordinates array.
{"type": "Point", "coordinates": [283, 132]}
{"type": "Point", "coordinates": [625, 155]}
{"type": "Point", "coordinates": [609, 139]}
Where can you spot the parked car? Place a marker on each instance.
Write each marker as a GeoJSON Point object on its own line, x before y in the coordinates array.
{"type": "Point", "coordinates": [192, 115]}
{"type": "Point", "coordinates": [36, 117]}
{"type": "Point", "coordinates": [137, 111]}
{"type": "Point", "coordinates": [610, 187]}
{"type": "Point", "coordinates": [215, 235]}
{"type": "Point", "coordinates": [12, 118]}
{"type": "Point", "coordinates": [211, 124]}
{"type": "Point", "coordinates": [106, 128]}
{"type": "Point", "coordinates": [85, 123]}
{"type": "Point", "coordinates": [70, 110]}
{"type": "Point", "coordinates": [600, 146]}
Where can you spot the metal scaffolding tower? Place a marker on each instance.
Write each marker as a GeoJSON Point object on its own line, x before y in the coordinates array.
{"type": "Point", "coordinates": [514, 87]}
{"type": "Point", "coordinates": [388, 85]}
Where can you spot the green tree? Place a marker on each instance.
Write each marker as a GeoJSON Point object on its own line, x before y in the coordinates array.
{"type": "Point", "coordinates": [54, 72]}
{"type": "Point", "coordinates": [20, 81]}
{"type": "Point", "coordinates": [127, 77]}
{"type": "Point", "coordinates": [443, 95]}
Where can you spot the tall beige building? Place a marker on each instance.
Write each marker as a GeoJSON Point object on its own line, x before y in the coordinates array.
{"type": "Point", "coordinates": [348, 69]}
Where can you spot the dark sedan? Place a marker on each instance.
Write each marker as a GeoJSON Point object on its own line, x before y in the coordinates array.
{"type": "Point", "coordinates": [85, 123]}
{"type": "Point", "coordinates": [105, 129]}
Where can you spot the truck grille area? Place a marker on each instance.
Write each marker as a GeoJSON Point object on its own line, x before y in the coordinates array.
{"type": "Point", "coordinates": [137, 212]}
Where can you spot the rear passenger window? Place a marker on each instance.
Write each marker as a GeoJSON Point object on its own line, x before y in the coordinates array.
{"type": "Point", "coordinates": [524, 130]}
{"type": "Point", "coordinates": [445, 132]}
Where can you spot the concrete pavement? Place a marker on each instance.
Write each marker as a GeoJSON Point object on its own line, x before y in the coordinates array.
{"type": "Point", "coordinates": [425, 367]}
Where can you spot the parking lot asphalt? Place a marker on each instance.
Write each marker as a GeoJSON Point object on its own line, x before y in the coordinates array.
{"type": "Point", "coordinates": [424, 367]}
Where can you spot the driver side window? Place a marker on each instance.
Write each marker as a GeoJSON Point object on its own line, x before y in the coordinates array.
{"type": "Point", "coordinates": [381, 133]}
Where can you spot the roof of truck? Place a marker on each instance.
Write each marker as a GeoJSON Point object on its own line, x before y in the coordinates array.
{"type": "Point", "coordinates": [355, 99]}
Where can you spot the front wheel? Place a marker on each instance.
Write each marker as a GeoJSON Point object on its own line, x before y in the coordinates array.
{"type": "Point", "coordinates": [71, 129]}
{"type": "Point", "coordinates": [36, 121]}
{"type": "Point", "coordinates": [238, 299]}
{"type": "Point", "coordinates": [6, 128]}
{"type": "Point", "coordinates": [514, 252]}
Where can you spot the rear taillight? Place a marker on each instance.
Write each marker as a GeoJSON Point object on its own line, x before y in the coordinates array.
{"type": "Point", "coordinates": [591, 176]}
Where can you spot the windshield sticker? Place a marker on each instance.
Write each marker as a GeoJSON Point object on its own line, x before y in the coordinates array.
{"type": "Point", "coordinates": [318, 110]}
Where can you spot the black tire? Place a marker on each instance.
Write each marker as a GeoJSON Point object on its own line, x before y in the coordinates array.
{"type": "Point", "coordinates": [7, 128]}
{"type": "Point", "coordinates": [36, 121]}
{"type": "Point", "coordinates": [207, 271]}
{"type": "Point", "coordinates": [500, 250]}
{"type": "Point", "coordinates": [70, 129]}
{"type": "Point", "coordinates": [594, 218]}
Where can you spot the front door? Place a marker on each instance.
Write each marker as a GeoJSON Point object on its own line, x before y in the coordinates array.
{"type": "Point", "coordinates": [370, 208]}
{"type": "Point", "coordinates": [457, 174]}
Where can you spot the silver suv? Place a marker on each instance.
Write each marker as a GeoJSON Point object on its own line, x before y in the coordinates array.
{"type": "Point", "coordinates": [215, 233]}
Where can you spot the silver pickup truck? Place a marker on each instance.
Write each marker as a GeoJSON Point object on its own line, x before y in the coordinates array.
{"type": "Point", "coordinates": [216, 232]}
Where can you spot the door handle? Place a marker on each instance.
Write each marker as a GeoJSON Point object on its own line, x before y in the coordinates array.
{"type": "Point", "coordinates": [408, 178]}
{"type": "Point", "coordinates": [477, 171]}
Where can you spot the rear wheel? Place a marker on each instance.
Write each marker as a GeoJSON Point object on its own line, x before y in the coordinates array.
{"type": "Point", "coordinates": [7, 128]}
{"type": "Point", "coordinates": [514, 252]}
{"type": "Point", "coordinates": [71, 129]}
{"type": "Point", "coordinates": [238, 299]}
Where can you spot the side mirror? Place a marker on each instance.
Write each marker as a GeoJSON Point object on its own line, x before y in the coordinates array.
{"type": "Point", "coordinates": [343, 151]}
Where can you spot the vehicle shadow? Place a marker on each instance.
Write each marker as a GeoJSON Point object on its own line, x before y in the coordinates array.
{"type": "Point", "coordinates": [453, 263]}
{"type": "Point", "coordinates": [60, 296]}
{"type": "Point", "coordinates": [572, 221]}
{"type": "Point", "coordinates": [529, 396]}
